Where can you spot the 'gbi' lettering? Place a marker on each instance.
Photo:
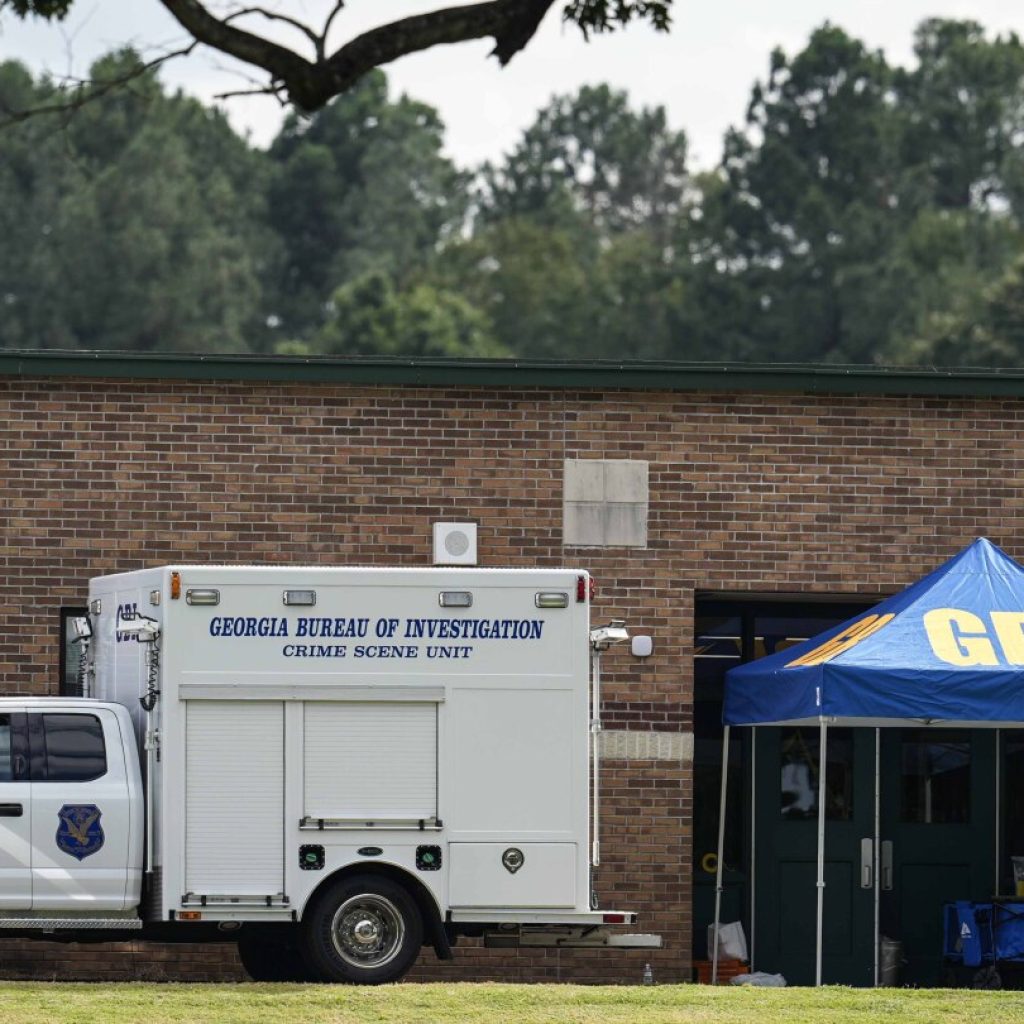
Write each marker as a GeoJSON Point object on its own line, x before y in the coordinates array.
{"type": "Point", "coordinates": [960, 637]}
{"type": "Point", "coordinates": [849, 637]}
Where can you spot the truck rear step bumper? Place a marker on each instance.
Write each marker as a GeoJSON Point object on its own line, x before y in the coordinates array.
{"type": "Point", "coordinates": [546, 917]}
{"type": "Point", "coordinates": [567, 937]}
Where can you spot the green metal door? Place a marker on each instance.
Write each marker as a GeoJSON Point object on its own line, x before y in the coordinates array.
{"type": "Point", "coordinates": [937, 818]}
{"type": "Point", "coordinates": [938, 835]}
{"type": "Point", "coordinates": [786, 819]}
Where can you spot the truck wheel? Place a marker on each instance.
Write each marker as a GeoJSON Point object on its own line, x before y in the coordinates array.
{"type": "Point", "coordinates": [272, 960]}
{"type": "Point", "coordinates": [364, 930]}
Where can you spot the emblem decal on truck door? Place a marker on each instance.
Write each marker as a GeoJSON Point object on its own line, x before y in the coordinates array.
{"type": "Point", "coordinates": [513, 859]}
{"type": "Point", "coordinates": [79, 832]}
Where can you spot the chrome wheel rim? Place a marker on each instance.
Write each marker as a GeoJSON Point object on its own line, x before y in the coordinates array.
{"type": "Point", "coordinates": [367, 931]}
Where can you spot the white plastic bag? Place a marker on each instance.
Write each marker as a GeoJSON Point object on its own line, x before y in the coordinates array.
{"type": "Point", "coordinates": [732, 943]}
{"type": "Point", "coordinates": [759, 978]}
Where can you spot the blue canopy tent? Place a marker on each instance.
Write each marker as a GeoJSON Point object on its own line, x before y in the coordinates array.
{"type": "Point", "coordinates": [948, 650]}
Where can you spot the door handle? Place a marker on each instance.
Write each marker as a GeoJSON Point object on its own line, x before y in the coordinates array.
{"type": "Point", "coordinates": [887, 866]}
{"type": "Point", "coordinates": [10, 810]}
{"type": "Point", "coordinates": [867, 863]}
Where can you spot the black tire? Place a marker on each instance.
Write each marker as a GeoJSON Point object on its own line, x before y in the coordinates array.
{"type": "Point", "coordinates": [268, 958]}
{"type": "Point", "coordinates": [363, 930]}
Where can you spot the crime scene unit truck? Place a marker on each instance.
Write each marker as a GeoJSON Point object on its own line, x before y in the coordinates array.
{"type": "Point", "coordinates": [332, 767]}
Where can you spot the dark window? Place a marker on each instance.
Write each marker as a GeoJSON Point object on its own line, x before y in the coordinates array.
{"type": "Point", "coordinates": [71, 652]}
{"type": "Point", "coordinates": [6, 751]}
{"type": "Point", "coordinates": [74, 749]}
{"type": "Point", "coordinates": [800, 750]}
{"type": "Point", "coordinates": [936, 776]}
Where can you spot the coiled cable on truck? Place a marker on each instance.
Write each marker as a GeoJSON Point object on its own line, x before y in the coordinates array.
{"type": "Point", "coordinates": [83, 664]}
{"type": "Point", "coordinates": [152, 694]}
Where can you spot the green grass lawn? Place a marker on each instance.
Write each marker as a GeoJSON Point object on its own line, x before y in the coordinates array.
{"type": "Point", "coordinates": [55, 1003]}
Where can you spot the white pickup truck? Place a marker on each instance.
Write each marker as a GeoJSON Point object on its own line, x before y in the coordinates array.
{"type": "Point", "coordinates": [331, 767]}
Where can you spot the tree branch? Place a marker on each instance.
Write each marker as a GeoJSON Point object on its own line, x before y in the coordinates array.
{"type": "Point", "coordinates": [89, 90]}
{"type": "Point", "coordinates": [321, 50]}
{"type": "Point", "coordinates": [274, 16]}
{"type": "Point", "coordinates": [264, 90]}
{"type": "Point", "coordinates": [511, 23]}
{"type": "Point", "coordinates": [282, 64]}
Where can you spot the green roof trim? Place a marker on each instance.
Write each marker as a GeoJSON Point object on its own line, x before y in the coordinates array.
{"type": "Point", "coordinates": [517, 373]}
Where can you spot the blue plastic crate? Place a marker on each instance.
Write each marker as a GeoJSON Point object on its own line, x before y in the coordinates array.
{"type": "Point", "coordinates": [967, 933]}
{"type": "Point", "coordinates": [977, 933]}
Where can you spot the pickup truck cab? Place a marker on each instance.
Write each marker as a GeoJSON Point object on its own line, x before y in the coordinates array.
{"type": "Point", "coordinates": [71, 809]}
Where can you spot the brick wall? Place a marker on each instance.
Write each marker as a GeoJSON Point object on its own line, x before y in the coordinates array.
{"type": "Point", "coordinates": [790, 493]}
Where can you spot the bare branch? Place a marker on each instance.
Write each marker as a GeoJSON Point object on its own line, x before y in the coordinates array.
{"type": "Point", "coordinates": [321, 50]}
{"type": "Point", "coordinates": [511, 23]}
{"type": "Point", "coordinates": [281, 63]}
{"type": "Point", "coordinates": [274, 16]}
{"type": "Point", "coordinates": [277, 91]}
{"type": "Point", "coordinates": [89, 90]}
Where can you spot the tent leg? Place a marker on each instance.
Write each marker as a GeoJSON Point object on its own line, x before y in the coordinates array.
{"type": "Point", "coordinates": [721, 854]}
{"type": "Point", "coordinates": [998, 823]}
{"type": "Point", "coordinates": [822, 764]}
{"type": "Point", "coordinates": [877, 848]}
{"type": "Point", "coordinates": [753, 846]}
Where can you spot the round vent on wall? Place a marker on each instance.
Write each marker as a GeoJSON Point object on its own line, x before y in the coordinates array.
{"type": "Point", "coordinates": [454, 543]}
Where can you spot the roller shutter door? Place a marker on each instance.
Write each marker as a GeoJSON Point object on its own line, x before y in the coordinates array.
{"type": "Point", "coordinates": [234, 798]}
{"type": "Point", "coordinates": [370, 760]}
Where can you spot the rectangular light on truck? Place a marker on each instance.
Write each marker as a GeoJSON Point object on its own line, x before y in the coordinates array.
{"type": "Point", "coordinates": [301, 597]}
{"type": "Point", "coordinates": [195, 595]}
{"type": "Point", "coordinates": [455, 599]}
{"type": "Point", "coordinates": [551, 599]}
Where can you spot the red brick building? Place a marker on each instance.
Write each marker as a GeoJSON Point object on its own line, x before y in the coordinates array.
{"type": "Point", "coordinates": [723, 494]}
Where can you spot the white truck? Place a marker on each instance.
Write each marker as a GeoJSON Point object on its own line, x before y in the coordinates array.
{"type": "Point", "coordinates": [332, 767]}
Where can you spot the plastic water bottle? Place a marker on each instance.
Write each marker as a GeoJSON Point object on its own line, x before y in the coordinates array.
{"type": "Point", "coordinates": [648, 975]}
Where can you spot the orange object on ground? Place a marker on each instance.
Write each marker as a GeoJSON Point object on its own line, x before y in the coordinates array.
{"type": "Point", "coordinates": [726, 969]}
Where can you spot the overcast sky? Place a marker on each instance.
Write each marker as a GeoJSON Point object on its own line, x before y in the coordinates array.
{"type": "Point", "coordinates": [701, 72]}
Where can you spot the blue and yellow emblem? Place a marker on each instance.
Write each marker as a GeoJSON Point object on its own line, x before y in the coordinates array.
{"type": "Point", "coordinates": [79, 832]}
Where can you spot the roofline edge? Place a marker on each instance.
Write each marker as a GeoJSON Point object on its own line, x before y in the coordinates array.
{"type": "Point", "coordinates": [517, 373]}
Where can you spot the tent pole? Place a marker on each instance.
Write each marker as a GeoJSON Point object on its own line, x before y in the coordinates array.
{"type": "Point", "coordinates": [822, 767]}
{"type": "Point", "coordinates": [721, 854]}
{"type": "Point", "coordinates": [877, 847]}
{"type": "Point", "coordinates": [753, 844]}
{"type": "Point", "coordinates": [995, 877]}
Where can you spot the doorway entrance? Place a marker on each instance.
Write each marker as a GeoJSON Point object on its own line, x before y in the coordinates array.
{"type": "Point", "coordinates": [938, 810]}
{"type": "Point", "coordinates": [937, 814]}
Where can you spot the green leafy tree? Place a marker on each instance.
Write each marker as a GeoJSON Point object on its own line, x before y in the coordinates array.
{"type": "Point", "coordinates": [961, 115]}
{"type": "Point", "coordinates": [808, 193]}
{"type": "Point", "coordinates": [862, 199]}
{"type": "Point", "coordinates": [592, 154]}
{"type": "Point", "coordinates": [362, 186]}
{"type": "Point", "coordinates": [983, 326]}
{"type": "Point", "coordinates": [576, 247]}
{"type": "Point", "coordinates": [532, 282]}
{"type": "Point", "coordinates": [137, 226]}
{"type": "Point", "coordinates": [368, 316]}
